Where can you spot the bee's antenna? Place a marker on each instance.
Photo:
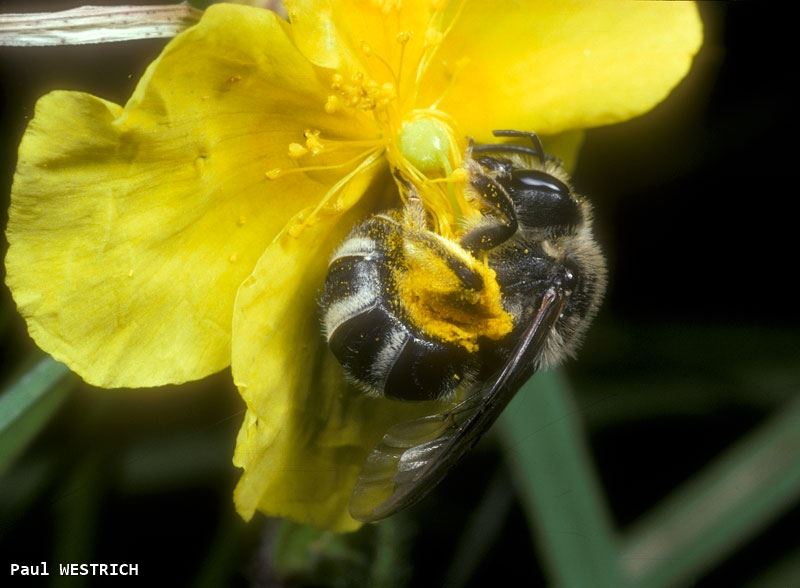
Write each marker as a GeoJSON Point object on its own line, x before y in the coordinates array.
{"type": "Point", "coordinates": [537, 142]}
{"type": "Point", "coordinates": [536, 151]}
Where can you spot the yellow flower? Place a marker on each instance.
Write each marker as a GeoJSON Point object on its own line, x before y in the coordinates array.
{"type": "Point", "coordinates": [190, 230]}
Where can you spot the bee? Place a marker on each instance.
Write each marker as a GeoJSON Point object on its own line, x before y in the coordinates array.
{"type": "Point", "coordinates": [409, 313]}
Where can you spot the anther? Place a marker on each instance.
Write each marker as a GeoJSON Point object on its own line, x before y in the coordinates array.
{"type": "Point", "coordinates": [433, 37]}
{"type": "Point", "coordinates": [313, 143]}
{"type": "Point", "coordinates": [388, 91]}
{"type": "Point", "coordinates": [296, 150]}
{"type": "Point", "coordinates": [333, 104]}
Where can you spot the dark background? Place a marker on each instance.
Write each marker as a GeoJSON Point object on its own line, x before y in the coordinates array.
{"type": "Point", "coordinates": [697, 341]}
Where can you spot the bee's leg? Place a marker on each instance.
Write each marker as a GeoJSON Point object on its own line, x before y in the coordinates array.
{"type": "Point", "coordinates": [502, 224]}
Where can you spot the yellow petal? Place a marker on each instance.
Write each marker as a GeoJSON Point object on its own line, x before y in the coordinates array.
{"type": "Point", "coordinates": [551, 66]}
{"type": "Point", "coordinates": [362, 35]}
{"type": "Point", "coordinates": [306, 432]}
{"type": "Point", "coordinates": [131, 228]}
{"type": "Point", "coordinates": [566, 146]}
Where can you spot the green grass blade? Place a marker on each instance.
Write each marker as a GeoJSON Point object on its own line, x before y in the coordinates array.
{"type": "Point", "coordinates": [27, 405]}
{"type": "Point", "coordinates": [784, 573]}
{"type": "Point", "coordinates": [544, 445]}
{"type": "Point", "coordinates": [722, 507]}
{"type": "Point", "coordinates": [21, 487]}
{"type": "Point", "coordinates": [482, 530]}
{"type": "Point", "coordinates": [76, 510]}
{"type": "Point", "coordinates": [219, 566]}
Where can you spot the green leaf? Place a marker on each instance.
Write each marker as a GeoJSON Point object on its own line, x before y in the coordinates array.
{"type": "Point", "coordinates": [27, 405]}
{"type": "Point", "coordinates": [544, 445]}
{"type": "Point", "coordinates": [721, 507]}
{"type": "Point", "coordinates": [374, 556]}
{"type": "Point", "coordinates": [76, 509]}
{"type": "Point", "coordinates": [220, 563]}
{"type": "Point", "coordinates": [21, 487]}
{"type": "Point", "coordinates": [782, 574]}
{"type": "Point", "coordinates": [482, 531]}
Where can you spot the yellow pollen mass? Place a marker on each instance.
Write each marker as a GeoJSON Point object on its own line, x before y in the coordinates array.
{"type": "Point", "coordinates": [439, 304]}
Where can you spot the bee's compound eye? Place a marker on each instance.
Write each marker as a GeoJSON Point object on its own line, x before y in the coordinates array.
{"type": "Point", "coordinates": [531, 179]}
{"type": "Point", "coordinates": [543, 201]}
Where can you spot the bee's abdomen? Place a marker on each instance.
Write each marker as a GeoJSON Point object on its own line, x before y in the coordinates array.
{"type": "Point", "coordinates": [366, 327]}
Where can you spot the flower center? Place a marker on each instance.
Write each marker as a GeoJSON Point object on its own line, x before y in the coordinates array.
{"type": "Point", "coordinates": [427, 151]}
{"type": "Point", "coordinates": [423, 146]}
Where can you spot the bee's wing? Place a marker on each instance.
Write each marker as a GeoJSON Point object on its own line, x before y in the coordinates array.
{"type": "Point", "coordinates": [414, 456]}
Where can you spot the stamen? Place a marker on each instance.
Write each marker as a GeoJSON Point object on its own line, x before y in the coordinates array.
{"type": "Point", "coordinates": [333, 104]}
{"type": "Point", "coordinates": [434, 35]}
{"type": "Point", "coordinates": [403, 38]}
{"type": "Point", "coordinates": [303, 219]}
{"type": "Point", "coordinates": [457, 176]}
{"type": "Point", "coordinates": [362, 93]}
{"type": "Point", "coordinates": [367, 50]}
{"type": "Point", "coordinates": [278, 172]}
{"type": "Point", "coordinates": [313, 142]}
